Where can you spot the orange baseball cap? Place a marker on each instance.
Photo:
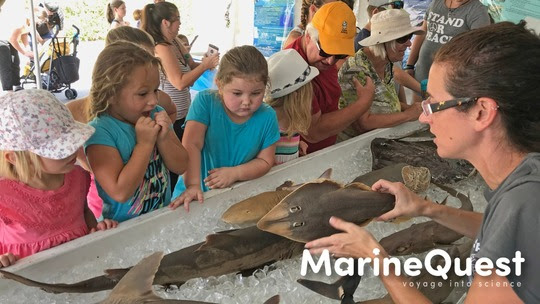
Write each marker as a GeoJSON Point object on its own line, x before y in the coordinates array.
{"type": "Point", "coordinates": [336, 24]}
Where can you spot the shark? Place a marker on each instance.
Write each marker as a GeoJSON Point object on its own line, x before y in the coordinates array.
{"type": "Point", "coordinates": [303, 215]}
{"type": "Point", "coordinates": [239, 250]}
{"type": "Point", "coordinates": [252, 209]}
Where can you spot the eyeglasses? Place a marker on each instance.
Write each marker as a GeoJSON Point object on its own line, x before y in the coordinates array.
{"type": "Point", "coordinates": [431, 107]}
{"type": "Point", "coordinates": [326, 55]}
{"type": "Point", "coordinates": [404, 39]}
{"type": "Point", "coordinates": [393, 4]}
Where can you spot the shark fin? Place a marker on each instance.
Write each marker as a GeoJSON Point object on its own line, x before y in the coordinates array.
{"type": "Point", "coordinates": [273, 300]}
{"type": "Point", "coordinates": [138, 281]}
{"type": "Point", "coordinates": [342, 289]}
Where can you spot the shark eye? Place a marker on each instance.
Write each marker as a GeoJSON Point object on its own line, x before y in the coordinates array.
{"type": "Point", "coordinates": [294, 209]}
{"type": "Point", "coordinates": [298, 224]}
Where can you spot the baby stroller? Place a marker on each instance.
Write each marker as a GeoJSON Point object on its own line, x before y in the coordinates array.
{"type": "Point", "coordinates": [59, 65]}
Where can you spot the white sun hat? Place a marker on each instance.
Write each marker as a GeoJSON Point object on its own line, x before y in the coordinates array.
{"type": "Point", "coordinates": [389, 25]}
{"type": "Point", "coordinates": [35, 121]}
{"type": "Point", "coordinates": [288, 72]}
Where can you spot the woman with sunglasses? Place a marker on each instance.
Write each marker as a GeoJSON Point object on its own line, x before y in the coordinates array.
{"type": "Point", "coordinates": [443, 20]}
{"type": "Point", "coordinates": [373, 7]}
{"type": "Point", "coordinates": [391, 34]}
{"type": "Point", "coordinates": [483, 107]}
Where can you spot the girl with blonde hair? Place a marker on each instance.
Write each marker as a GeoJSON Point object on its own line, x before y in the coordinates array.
{"type": "Point", "coordinates": [42, 190]}
{"type": "Point", "coordinates": [133, 148]}
{"type": "Point", "coordinates": [290, 94]}
{"type": "Point", "coordinates": [80, 107]}
{"type": "Point", "coordinates": [230, 133]}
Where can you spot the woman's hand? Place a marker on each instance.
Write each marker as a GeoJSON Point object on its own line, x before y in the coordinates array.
{"type": "Point", "coordinates": [413, 111]}
{"type": "Point", "coordinates": [210, 62]}
{"type": "Point", "coordinates": [354, 241]}
{"type": "Point", "coordinates": [8, 259]}
{"type": "Point", "coordinates": [104, 225]}
{"type": "Point", "coordinates": [193, 192]}
{"type": "Point", "coordinates": [221, 177]}
{"type": "Point", "coordinates": [407, 202]}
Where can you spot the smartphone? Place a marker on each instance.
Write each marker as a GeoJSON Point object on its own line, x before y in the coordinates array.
{"type": "Point", "coordinates": [212, 50]}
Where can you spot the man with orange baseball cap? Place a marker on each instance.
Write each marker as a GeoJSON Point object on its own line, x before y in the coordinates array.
{"type": "Point", "coordinates": [328, 38]}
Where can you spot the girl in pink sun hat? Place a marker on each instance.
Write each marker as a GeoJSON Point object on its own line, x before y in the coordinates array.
{"type": "Point", "coordinates": [42, 190]}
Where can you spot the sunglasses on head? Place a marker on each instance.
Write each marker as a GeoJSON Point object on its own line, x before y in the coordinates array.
{"type": "Point", "coordinates": [393, 4]}
{"type": "Point", "coordinates": [404, 39]}
{"type": "Point", "coordinates": [326, 55]}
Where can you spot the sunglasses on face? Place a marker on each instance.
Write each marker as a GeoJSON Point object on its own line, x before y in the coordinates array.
{"type": "Point", "coordinates": [326, 55]}
{"type": "Point", "coordinates": [393, 4]}
{"type": "Point", "coordinates": [429, 107]}
{"type": "Point", "coordinates": [404, 39]}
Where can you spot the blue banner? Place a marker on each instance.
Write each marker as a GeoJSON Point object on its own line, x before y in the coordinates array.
{"type": "Point", "coordinates": [273, 21]}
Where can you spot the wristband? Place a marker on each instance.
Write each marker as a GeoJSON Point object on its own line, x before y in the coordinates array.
{"type": "Point", "coordinates": [409, 67]}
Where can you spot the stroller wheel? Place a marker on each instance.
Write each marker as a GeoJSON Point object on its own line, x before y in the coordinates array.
{"type": "Point", "coordinates": [70, 94]}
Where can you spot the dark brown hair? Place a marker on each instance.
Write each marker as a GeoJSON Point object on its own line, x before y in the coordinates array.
{"type": "Point", "coordinates": [499, 61]}
{"type": "Point", "coordinates": [152, 16]}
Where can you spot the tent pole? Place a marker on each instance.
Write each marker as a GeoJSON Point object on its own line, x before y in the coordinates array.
{"type": "Point", "coordinates": [37, 67]}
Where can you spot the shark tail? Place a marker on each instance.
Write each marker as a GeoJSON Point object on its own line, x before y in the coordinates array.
{"type": "Point", "coordinates": [91, 285]}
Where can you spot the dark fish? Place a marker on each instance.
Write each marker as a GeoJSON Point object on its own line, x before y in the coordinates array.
{"type": "Point", "coordinates": [252, 209]}
{"type": "Point", "coordinates": [303, 215]}
{"type": "Point", "coordinates": [425, 236]}
{"type": "Point", "coordinates": [222, 253]}
{"type": "Point", "coordinates": [342, 289]}
{"type": "Point", "coordinates": [422, 153]}
{"type": "Point", "coordinates": [415, 178]}
{"type": "Point", "coordinates": [136, 286]}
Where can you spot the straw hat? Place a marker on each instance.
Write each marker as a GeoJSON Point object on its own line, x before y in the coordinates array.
{"type": "Point", "coordinates": [389, 25]}
{"type": "Point", "coordinates": [288, 72]}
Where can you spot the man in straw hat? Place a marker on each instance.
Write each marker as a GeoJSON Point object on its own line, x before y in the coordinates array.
{"type": "Point", "coordinates": [330, 37]}
{"type": "Point", "coordinates": [390, 37]}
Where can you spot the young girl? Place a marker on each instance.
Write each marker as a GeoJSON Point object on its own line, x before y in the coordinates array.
{"type": "Point", "coordinates": [230, 134]}
{"type": "Point", "coordinates": [133, 148]}
{"type": "Point", "coordinates": [42, 191]}
{"type": "Point", "coordinates": [116, 11]}
{"type": "Point", "coordinates": [79, 107]}
{"type": "Point", "coordinates": [290, 95]}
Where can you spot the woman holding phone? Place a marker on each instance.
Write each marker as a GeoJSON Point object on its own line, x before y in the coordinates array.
{"type": "Point", "coordinates": [162, 22]}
